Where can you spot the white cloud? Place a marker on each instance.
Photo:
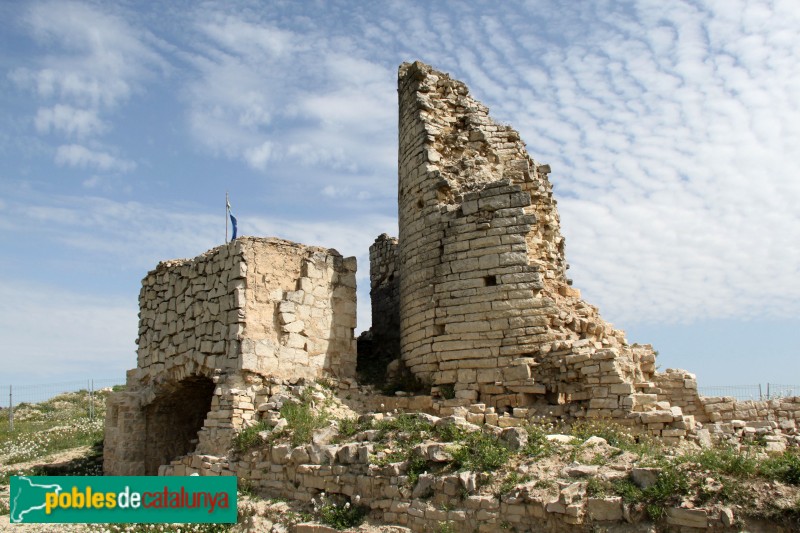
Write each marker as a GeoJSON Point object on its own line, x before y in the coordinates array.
{"type": "Point", "coordinates": [250, 102]}
{"type": "Point", "coordinates": [76, 155]}
{"type": "Point", "coordinates": [92, 59]}
{"type": "Point", "coordinates": [69, 121]}
{"type": "Point", "coordinates": [101, 57]}
{"type": "Point", "coordinates": [257, 157]}
{"type": "Point", "coordinates": [87, 336]}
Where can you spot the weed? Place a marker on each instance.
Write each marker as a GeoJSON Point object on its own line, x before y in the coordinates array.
{"type": "Point", "coordinates": [327, 383]}
{"type": "Point", "coordinates": [339, 516]}
{"type": "Point", "coordinates": [446, 527]}
{"type": "Point", "coordinates": [302, 418]}
{"type": "Point", "coordinates": [480, 452]}
{"type": "Point", "coordinates": [450, 433]}
{"type": "Point", "coordinates": [249, 437]}
{"type": "Point", "coordinates": [411, 429]}
{"type": "Point", "coordinates": [597, 487]}
{"type": "Point", "coordinates": [447, 391]}
{"type": "Point", "coordinates": [246, 488]}
{"type": "Point", "coordinates": [511, 481]}
{"type": "Point", "coordinates": [416, 466]}
{"type": "Point", "coordinates": [538, 446]}
{"type": "Point", "coordinates": [726, 460]}
{"type": "Point", "coordinates": [349, 427]}
{"type": "Point", "coordinates": [671, 484]}
{"type": "Point", "coordinates": [784, 467]}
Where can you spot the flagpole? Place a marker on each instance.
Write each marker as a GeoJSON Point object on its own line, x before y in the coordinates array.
{"type": "Point", "coordinates": [226, 216]}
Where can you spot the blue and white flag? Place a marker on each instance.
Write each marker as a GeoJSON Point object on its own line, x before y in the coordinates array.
{"type": "Point", "coordinates": [233, 219]}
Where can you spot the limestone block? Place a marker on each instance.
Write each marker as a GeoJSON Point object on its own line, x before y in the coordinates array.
{"type": "Point", "coordinates": [688, 517]}
{"type": "Point", "coordinates": [605, 509]}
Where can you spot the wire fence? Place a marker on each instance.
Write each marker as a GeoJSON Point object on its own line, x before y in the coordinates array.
{"type": "Point", "coordinates": [758, 393]}
{"type": "Point", "coordinates": [18, 400]}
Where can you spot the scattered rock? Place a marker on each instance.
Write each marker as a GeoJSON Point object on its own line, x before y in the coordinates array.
{"type": "Point", "coordinates": [645, 477]}
{"type": "Point", "coordinates": [576, 470]}
{"type": "Point", "coordinates": [688, 517]}
{"type": "Point", "coordinates": [516, 438]}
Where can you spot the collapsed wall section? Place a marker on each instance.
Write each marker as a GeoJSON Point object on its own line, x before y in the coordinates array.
{"type": "Point", "coordinates": [208, 327]}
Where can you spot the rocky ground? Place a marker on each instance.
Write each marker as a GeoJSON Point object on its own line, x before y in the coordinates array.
{"type": "Point", "coordinates": [625, 481]}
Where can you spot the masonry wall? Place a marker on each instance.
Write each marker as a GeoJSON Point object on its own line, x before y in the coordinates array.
{"type": "Point", "coordinates": [485, 304]}
{"type": "Point", "coordinates": [209, 328]}
{"type": "Point", "coordinates": [487, 313]}
{"type": "Point", "coordinates": [384, 293]}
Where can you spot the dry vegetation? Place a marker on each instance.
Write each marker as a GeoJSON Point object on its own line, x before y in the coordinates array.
{"type": "Point", "coordinates": [56, 438]}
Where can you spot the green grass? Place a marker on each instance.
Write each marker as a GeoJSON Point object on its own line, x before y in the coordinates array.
{"type": "Point", "coordinates": [58, 424]}
{"type": "Point", "coordinates": [416, 466]}
{"type": "Point", "coordinates": [671, 485]}
{"type": "Point", "coordinates": [616, 435]}
{"type": "Point", "coordinates": [725, 460]}
{"type": "Point", "coordinates": [349, 427]}
{"type": "Point", "coordinates": [511, 481]}
{"type": "Point", "coordinates": [784, 467]}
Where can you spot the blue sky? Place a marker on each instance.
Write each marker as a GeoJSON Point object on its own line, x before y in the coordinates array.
{"type": "Point", "coordinates": [672, 129]}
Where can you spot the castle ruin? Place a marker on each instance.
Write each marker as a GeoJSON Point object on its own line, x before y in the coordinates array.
{"type": "Point", "coordinates": [472, 299]}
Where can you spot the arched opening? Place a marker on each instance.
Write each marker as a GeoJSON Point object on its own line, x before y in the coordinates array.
{"type": "Point", "coordinates": [173, 420]}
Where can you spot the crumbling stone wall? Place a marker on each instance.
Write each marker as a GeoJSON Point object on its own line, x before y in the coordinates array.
{"type": "Point", "coordinates": [485, 303]}
{"type": "Point", "coordinates": [384, 278]}
{"type": "Point", "coordinates": [209, 328]}
{"type": "Point", "coordinates": [487, 313]}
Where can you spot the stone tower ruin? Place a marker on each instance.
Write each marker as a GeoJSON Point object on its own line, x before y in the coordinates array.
{"type": "Point", "coordinates": [210, 329]}
{"type": "Point", "coordinates": [479, 280]}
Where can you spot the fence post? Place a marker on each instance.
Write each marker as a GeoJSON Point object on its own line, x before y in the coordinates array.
{"type": "Point", "coordinates": [89, 398]}
{"type": "Point", "coordinates": [768, 390]}
{"type": "Point", "coordinates": [10, 409]}
{"type": "Point", "coordinates": [760, 396]}
{"type": "Point", "coordinates": [91, 401]}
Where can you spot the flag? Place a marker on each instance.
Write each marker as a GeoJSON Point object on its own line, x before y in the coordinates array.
{"type": "Point", "coordinates": [233, 218]}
